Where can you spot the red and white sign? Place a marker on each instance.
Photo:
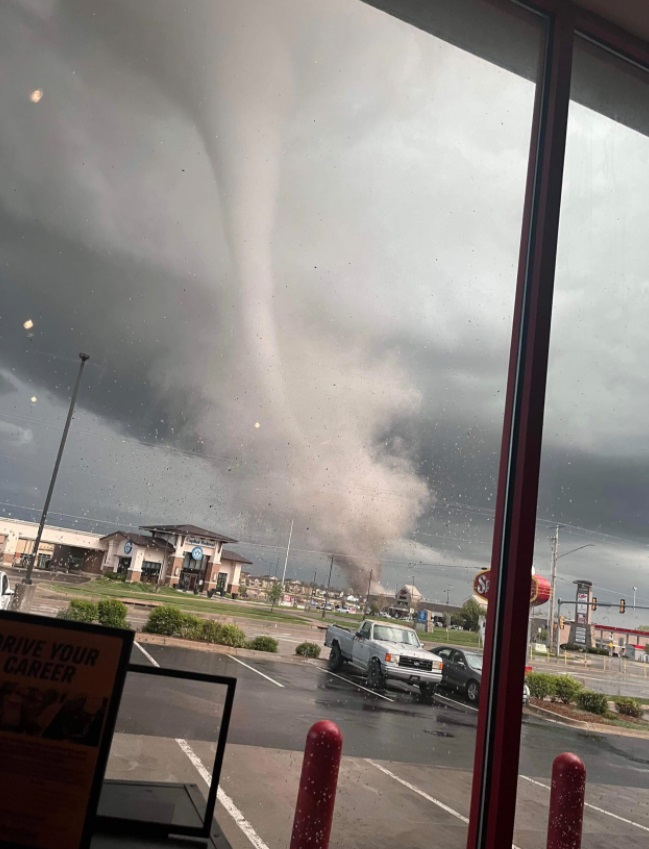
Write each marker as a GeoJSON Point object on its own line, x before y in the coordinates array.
{"type": "Point", "coordinates": [539, 590]}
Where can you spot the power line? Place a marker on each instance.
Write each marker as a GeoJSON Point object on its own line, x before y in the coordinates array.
{"type": "Point", "coordinates": [269, 546]}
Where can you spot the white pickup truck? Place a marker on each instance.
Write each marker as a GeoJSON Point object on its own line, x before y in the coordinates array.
{"type": "Point", "coordinates": [385, 652]}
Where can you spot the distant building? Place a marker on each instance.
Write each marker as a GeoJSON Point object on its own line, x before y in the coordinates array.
{"type": "Point", "coordinates": [60, 548]}
{"type": "Point", "coordinates": [185, 556]}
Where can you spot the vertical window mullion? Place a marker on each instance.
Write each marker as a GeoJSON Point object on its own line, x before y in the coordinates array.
{"type": "Point", "coordinates": [495, 774]}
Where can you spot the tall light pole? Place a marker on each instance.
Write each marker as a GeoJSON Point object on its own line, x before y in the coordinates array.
{"type": "Point", "coordinates": [635, 590]}
{"type": "Point", "coordinates": [553, 586]}
{"type": "Point", "coordinates": [288, 548]}
{"type": "Point", "coordinates": [369, 587]}
{"type": "Point", "coordinates": [324, 606]}
{"type": "Point", "coordinates": [553, 581]}
{"type": "Point", "coordinates": [448, 594]}
{"type": "Point", "coordinates": [32, 558]}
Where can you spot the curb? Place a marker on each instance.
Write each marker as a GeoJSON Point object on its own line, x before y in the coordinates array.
{"type": "Point", "coordinates": [591, 727]}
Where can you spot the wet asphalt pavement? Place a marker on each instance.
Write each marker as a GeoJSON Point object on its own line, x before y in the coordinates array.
{"type": "Point", "coordinates": [404, 729]}
{"type": "Point", "coordinates": [405, 776]}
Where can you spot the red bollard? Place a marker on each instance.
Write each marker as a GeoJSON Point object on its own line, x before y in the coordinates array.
{"type": "Point", "coordinates": [316, 797]}
{"type": "Point", "coordinates": [566, 802]}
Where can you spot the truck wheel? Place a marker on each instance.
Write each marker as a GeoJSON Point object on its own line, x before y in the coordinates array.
{"type": "Point", "coordinates": [427, 691]}
{"type": "Point", "coordinates": [375, 677]}
{"type": "Point", "coordinates": [472, 691]}
{"type": "Point", "coordinates": [335, 658]}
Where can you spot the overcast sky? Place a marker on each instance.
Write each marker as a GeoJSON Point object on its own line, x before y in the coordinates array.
{"type": "Point", "coordinates": [295, 278]}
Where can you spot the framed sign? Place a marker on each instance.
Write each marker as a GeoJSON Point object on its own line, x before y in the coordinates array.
{"type": "Point", "coordinates": [60, 687]}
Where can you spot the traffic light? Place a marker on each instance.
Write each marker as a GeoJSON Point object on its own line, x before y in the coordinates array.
{"type": "Point", "coordinates": [594, 603]}
{"type": "Point", "coordinates": [562, 621]}
{"type": "Point", "coordinates": [622, 605]}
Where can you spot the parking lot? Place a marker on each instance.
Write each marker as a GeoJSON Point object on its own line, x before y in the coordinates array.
{"type": "Point", "coordinates": [406, 771]}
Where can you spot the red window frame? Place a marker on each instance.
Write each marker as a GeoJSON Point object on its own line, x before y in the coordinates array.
{"type": "Point", "coordinates": [495, 775]}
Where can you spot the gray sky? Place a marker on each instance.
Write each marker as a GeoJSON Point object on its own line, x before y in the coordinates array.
{"type": "Point", "coordinates": [295, 277]}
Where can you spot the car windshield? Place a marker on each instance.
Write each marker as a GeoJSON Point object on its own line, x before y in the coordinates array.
{"type": "Point", "coordinates": [396, 635]}
{"type": "Point", "coordinates": [474, 661]}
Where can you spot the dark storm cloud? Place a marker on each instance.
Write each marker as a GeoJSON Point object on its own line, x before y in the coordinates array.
{"type": "Point", "coordinates": [6, 386]}
{"type": "Point", "coordinates": [303, 265]}
{"type": "Point", "coordinates": [110, 305]}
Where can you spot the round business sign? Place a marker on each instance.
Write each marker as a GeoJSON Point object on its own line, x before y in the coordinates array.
{"type": "Point", "coordinates": [539, 589]}
{"type": "Point", "coordinates": [481, 584]}
{"type": "Point", "coordinates": [197, 553]}
{"type": "Point", "coordinates": [128, 546]}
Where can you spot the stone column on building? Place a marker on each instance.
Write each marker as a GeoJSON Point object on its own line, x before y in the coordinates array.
{"type": "Point", "coordinates": [134, 574]}
{"type": "Point", "coordinates": [9, 549]}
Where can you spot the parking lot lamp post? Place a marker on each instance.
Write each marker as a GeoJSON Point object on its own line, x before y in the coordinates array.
{"type": "Point", "coordinates": [324, 606]}
{"type": "Point", "coordinates": [288, 548]}
{"type": "Point", "coordinates": [32, 557]}
{"type": "Point", "coordinates": [369, 588]}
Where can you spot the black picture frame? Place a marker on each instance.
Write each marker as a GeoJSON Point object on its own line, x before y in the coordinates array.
{"type": "Point", "coordinates": [145, 828]}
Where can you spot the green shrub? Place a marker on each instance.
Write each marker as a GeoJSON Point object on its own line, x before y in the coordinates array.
{"type": "Point", "coordinates": [232, 635]}
{"type": "Point", "coordinates": [541, 684]}
{"type": "Point", "coordinates": [112, 612]}
{"type": "Point", "coordinates": [211, 631]}
{"type": "Point", "coordinates": [628, 707]}
{"type": "Point", "coordinates": [191, 627]}
{"type": "Point", "coordinates": [166, 619]}
{"type": "Point", "coordinates": [593, 702]}
{"type": "Point", "coordinates": [115, 576]}
{"type": "Point", "coordinates": [566, 688]}
{"type": "Point", "coordinates": [79, 610]}
{"type": "Point", "coordinates": [262, 644]}
{"type": "Point", "coordinates": [308, 649]}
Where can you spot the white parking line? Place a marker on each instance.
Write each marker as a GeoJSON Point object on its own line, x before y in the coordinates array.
{"type": "Point", "coordinates": [151, 659]}
{"type": "Point", "coordinates": [223, 798]}
{"type": "Point", "coordinates": [252, 668]}
{"type": "Point", "coordinates": [353, 683]}
{"type": "Point", "coordinates": [592, 807]}
{"type": "Point", "coordinates": [204, 773]}
{"type": "Point", "coordinates": [421, 793]}
{"type": "Point", "coordinates": [454, 702]}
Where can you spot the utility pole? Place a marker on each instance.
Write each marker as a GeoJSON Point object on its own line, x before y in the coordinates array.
{"type": "Point", "coordinates": [553, 588]}
{"type": "Point", "coordinates": [32, 557]}
{"type": "Point", "coordinates": [369, 587]}
{"type": "Point", "coordinates": [310, 602]}
{"type": "Point", "coordinates": [324, 606]}
{"type": "Point", "coordinates": [288, 548]}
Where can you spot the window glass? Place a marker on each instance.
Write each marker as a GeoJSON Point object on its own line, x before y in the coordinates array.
{"type": "Point", "coordinates": [396, 635]}
{"type": "Point", "coordinates": [287, 234]}
{"type": "Point", "coordinates": [474, 661]}
{"type": "Point", "coordinates": [592, 530]}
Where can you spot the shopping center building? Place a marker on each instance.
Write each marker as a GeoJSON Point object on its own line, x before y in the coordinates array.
{"type": "Point", "coordinates": [184, 556]}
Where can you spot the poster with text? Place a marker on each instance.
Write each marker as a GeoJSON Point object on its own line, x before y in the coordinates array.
{"type": "Point", "coordinates": [60, 684]}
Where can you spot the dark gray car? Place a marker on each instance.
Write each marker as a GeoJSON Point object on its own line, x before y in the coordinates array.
{"type": "Point", "coordinates": [463, 671]}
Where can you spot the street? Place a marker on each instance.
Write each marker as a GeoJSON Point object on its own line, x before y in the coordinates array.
{"type": "Point", "coordinates": [406, 770]}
